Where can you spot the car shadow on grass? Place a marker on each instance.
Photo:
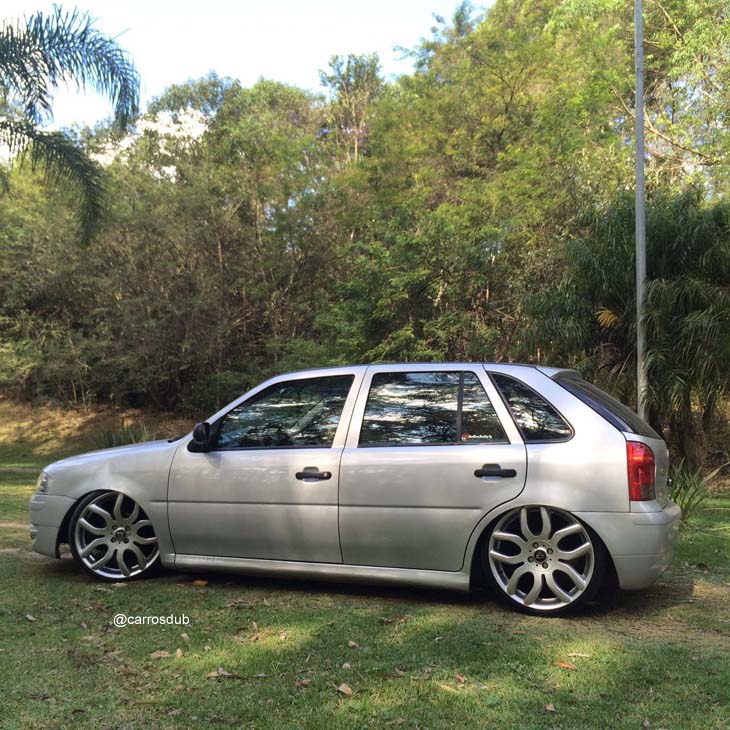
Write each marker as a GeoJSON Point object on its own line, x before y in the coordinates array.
{"type": "Point", "coordinates": [674, 588]}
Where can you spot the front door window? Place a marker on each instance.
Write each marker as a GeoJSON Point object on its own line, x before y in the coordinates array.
{"type": "Point", "coordinates": [292, 414]}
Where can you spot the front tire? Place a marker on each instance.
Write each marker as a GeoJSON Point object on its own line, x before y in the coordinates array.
{"type": "Point", "coordinates": [112, 538]}
{"type": "Point", "coordinates": [543, 561]}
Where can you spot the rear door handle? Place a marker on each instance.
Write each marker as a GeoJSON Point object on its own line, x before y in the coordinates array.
{"type": "Point", "coordinates": [494, 470]}
{"type": "Point", "coordinates": [313, 473]}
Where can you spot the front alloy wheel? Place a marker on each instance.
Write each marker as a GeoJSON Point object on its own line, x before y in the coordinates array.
{"type": "Point", "coordinates": [544, 561]}
{"type": "Point", "coordinates": [113, 538]}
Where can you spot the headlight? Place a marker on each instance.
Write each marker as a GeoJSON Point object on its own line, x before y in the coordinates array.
{"type": "Point", "coordinates": [42, 483]}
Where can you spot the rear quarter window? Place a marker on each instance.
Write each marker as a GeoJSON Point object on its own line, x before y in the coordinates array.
{"type": "Point", "coordinates": [537, 420]}
{"type": "Point", "coordinates": [611, 409]}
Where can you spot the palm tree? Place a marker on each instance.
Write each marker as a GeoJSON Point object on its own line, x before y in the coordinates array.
{"type": "Point", "coordinates": [37, 55]}
{"type": "Point", "coordinates": [589, 318]}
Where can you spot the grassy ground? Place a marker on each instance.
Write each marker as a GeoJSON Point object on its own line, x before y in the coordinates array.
{"type": "Point", "coordinates": [271, 654]}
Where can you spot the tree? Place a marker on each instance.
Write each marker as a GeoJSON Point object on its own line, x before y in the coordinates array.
{"type": "Point", "coordinates": [353, 83]}
{"type": "Point", "coordinates": [589, 318]}
{"type": "Point", "coordinates": [37, 55]}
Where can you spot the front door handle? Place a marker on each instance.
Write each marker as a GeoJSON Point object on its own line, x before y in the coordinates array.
{"type": "Point", "coordinates": [311, 472]}
{"type": "Point", "coordinates": [494, 470]}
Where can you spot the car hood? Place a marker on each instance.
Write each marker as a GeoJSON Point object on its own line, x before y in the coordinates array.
{"type": "Point", "coordinates": [145, 463]}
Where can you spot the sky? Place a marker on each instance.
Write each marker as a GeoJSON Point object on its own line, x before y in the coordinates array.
{"type": "Point", "coordinates": [283, 40]}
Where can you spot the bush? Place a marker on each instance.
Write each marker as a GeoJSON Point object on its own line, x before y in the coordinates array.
{"type": "Point", "coordinates": [690, 489]}
{"type": "Point", "coordinates": [111, 436]}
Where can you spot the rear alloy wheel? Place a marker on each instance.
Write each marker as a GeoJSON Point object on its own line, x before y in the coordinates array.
{"type": "Point", "coordinates": [544, 561]}
{"type": "Point", "coordinates": [113, 538]}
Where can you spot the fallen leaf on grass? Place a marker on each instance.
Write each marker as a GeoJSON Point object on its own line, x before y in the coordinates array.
{"type": "Point", "coordinates": [353, 645]}
{"type": "Point", "coordinates": [220, 672]}
{"type": "Point", "coordinates": [347, 666]}
{"type": "Point", "coordinates": [395, 619]}
{"type": "Point", "coordinates": [439, 638]}
{"type": "Point", "coordinates": [178, 654]}
{"type": "Point", "coordinates": [200, 583]}
{"type": "Point", "coordinates": [238, 603]}
{"type": "Point", "coordinates": [446, 688]}
{"type": "Point", "coordinates": [579, 655]}
{"type": "Point", "coordinates": [29, 617]}
{"type": "Point", "coordinates": [460, 678]}
{"type": "Point", "coordinates": [160, 654]}
{"type": "Point", "coordinates": [302, 682]}
{"type": "Point", "coordinates": [345, 690]}
{"type": "Point", "coordinates": [550, 707]}
{"type": "Point", "coordinates": [184, 636]}
{"type": "Point", "coordinates": [565, 665]}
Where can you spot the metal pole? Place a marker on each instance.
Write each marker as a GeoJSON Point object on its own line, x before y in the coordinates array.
{"type": "Point", "coordinates": [640, 206]}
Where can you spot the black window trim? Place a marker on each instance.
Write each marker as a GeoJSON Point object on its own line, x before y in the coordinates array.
{"type": "Point", "coordinates": [612, 418]}
{"type": "Point", "coordinates": [459, 400]}
{"type": "Point", "coordinates": [527, 441]}
{"type": "Point", "coordinates": [216, 425]}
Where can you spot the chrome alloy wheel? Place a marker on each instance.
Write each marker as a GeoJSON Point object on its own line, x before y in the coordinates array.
{"type": "Point", "coordinates": [542, 558]}
{"type": "Point", "coordinates": [113, 537]}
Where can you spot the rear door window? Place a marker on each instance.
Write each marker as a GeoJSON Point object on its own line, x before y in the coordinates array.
{"type": "Point", "coordinates": [427, 408]}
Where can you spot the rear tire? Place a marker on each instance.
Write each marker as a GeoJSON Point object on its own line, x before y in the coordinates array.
{"type": "Point", "coordinates": [543, 561]}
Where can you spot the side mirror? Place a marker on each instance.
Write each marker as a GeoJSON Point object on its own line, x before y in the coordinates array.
{"type": "Point", "coordinates": [201, 437]}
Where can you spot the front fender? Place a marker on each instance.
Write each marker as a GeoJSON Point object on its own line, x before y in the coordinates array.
{"type": "Point", "coordinates": [140, 472]}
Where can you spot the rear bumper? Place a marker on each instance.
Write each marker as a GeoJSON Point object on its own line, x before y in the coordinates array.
{"type": "Point", "coordinates": [47, 512]}
{"type": "Point", "coordinates": [641, 544]}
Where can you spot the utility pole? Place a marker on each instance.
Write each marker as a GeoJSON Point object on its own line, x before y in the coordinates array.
{"type": "Point", "coordinates": [640, 205]}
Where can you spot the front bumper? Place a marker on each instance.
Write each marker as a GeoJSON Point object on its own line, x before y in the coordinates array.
{"type": "Point", "coordinates": [47, 512]}
{"type": "Point", "coordinates": [641, 544]}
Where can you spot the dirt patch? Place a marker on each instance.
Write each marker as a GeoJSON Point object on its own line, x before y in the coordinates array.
{"type": "Point", "coordinates": [38, 431]}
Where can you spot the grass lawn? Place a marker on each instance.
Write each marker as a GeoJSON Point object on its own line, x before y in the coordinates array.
{"type": "Point", "coordinates": [272, 654]}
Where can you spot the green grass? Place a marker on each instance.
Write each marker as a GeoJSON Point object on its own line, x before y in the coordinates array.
{"type": "Point", "coordinates": [425, 659]}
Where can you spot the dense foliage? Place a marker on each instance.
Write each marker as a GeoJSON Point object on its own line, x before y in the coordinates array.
{"type": "Point", "coordinates": [478, 208]}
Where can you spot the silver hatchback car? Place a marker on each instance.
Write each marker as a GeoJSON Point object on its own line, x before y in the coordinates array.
{"type": "Point", "coordinates": [527, 479]}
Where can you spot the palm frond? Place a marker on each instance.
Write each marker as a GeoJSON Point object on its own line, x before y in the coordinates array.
{"type": "Point", "coordinates": [63, 162]}
{"type": "Point", "coordinates": [46, 50]}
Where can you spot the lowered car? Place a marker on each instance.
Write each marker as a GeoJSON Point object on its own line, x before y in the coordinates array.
{"type": "Point", "coordinates": [525, 478]}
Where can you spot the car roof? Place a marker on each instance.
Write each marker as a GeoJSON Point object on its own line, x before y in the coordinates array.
{"type": "Point", "coordinates": [504, 366]}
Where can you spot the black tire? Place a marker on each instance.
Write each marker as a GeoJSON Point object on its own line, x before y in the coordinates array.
{"type": "Point", "coordinates": [587, 574]}
{"type": "Point", "coordinates": [126, 547]}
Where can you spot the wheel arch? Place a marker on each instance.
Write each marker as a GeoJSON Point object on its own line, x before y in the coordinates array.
{"type": "Point", "coordinates": [63, 531]}
{"type": "Point", "coordinates": [156, 511]}
{"type": "Point", "coordinates": [483, 528]}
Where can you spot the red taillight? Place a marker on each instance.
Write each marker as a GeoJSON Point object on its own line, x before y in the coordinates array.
{"type": "Point", "coordinates": [641, 471]}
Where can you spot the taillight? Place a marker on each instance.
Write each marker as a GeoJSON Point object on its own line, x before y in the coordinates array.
{"type": "Point", "coordinates": [641, 471]}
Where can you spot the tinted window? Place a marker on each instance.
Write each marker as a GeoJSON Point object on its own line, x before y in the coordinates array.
{"type": "Point", "coordinates": [614, 411]}
{"type": "Point", "coordinates": [423, 408]}
{"type": "Point", "coordinates": [479, 421]}
{"type": "Point", "coordinates": [295, 413]}
{"type": "Point", "coordinates": [534, 416]}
